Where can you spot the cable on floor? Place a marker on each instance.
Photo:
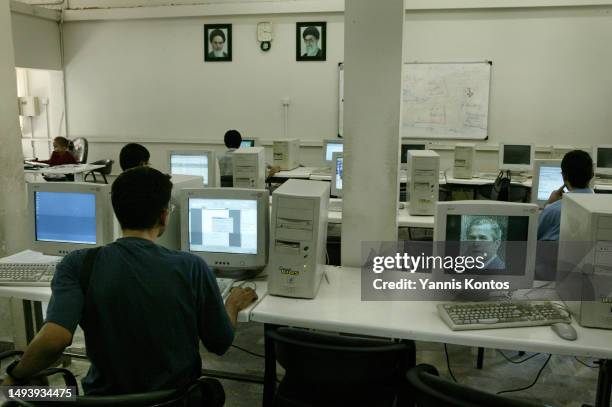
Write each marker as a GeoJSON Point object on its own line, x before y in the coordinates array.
{"type": "Point", "coordinates": [516, 361]}
{"type": "Point", "coordinates": [448, 364]}
{"type": "Point", "coordinates": [248, 351]}
{"type": "Point", "coordinates": [532, 383]}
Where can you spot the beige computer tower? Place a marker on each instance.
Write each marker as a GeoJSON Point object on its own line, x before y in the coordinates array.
{"type": "Point", "coordinates": [249, 168]}
{"type": "Point", "coordinates": [465, 157]}
{"type": "Point", "coordinates": [298, 235]}
{"type": "Point", "coordinates": [423, 179]}
{"type": "Point", "coordinates": [286, 154]}
{"type": "Point", "coordinates": [584, 267]}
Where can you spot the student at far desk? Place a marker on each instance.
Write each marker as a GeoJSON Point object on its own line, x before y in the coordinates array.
{"type": "Point", "coordinates": [61, 154]}
{"type": "Point", "coordinates": [133, 155]}
{"type": "Point", "coordinates": [143, 308]}
{"type": "Point", "coordinates": [577, 172]}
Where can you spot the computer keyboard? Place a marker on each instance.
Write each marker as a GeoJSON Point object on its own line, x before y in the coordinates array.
{"type": "Point", "coordinates": [321, 171]}
{"type": "Point", "coordinates": [603, 181]}
{"type": "Point", "coordinates": [488, 175]}
{"type": "Point", "coordinates": [27, 274]}
{"type": "Point", "coordinates": [225, 285]}
{"type": "Point", "coordinates": [500, 314]}
{"type": "Point", "coordinates": [335, 206]}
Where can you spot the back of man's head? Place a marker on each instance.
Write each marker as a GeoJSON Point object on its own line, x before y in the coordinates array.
{"type": "Point", "coordinates": [133, 155]}
{"type": "Point", "coordinates": [232, 139]}
{"type": "Point", "coordinates": [140, 196]}
{"type": "Point", "coordinates": [577, 168]}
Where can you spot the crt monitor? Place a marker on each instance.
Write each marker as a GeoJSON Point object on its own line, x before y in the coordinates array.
{"type": "Point", "coordinates": [67, 216]}
{"type": "Point", "coordinates": [228, 227]}
{"type": "Point", "coordinates": [198, 162]}
{"type": "Point", "coordinates": [516, 157]}
{"type": "Point", "coordinates": [407, 146]}
{"type": "Point", "coordinates": [502, 234]}
{"type": "Point", "coordinates": [336, 186]}
{"type": "Point", "coordinates": [603, 159]}
{"type": "Point", "coordinates": [330, 147]}
{"type": "Point", "coordinates": [247, 142]}
{"type": "Point", "coordinates": [546, 179]}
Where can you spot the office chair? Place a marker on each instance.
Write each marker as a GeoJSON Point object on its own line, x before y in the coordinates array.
{"type": "Point", "coordinates": [80, 149]}
{"type": "Point", "coordinates": [509, 193]}
{"type": "Point", "coordinates": [331, 370]}
{"type": "Point", "coordinates": [430, 390]}
{"type": "Point", "coordinates": [210, 393]}
{"type": "Point", "coordinates": [102, 171]}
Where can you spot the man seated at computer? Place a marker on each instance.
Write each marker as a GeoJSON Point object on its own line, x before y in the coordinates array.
{"type": "Point", "coordinates": [133, 155]}
{"type": "Point", "coordinates": [146, 307]}
{"type": "Point", "coordinates": [484, 238]}
{"type": "Point", "coordinates": [577, 172]}
{"type": "Point", "coordinates": [61, 154]}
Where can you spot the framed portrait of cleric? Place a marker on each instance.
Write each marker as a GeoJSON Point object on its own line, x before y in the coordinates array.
{"type": "Point", "coordinates": [217, 42]}
{"type": "Point", "coordinates": [310, 41]}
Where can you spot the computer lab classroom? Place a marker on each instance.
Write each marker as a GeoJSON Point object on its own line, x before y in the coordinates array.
{"type": "Point", "coordinates": [414, 196]}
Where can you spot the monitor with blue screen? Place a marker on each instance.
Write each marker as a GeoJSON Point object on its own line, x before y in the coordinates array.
{"type": "Point", "coordinates": [338, 170]}
{"type": "Point", "coordinates": [247, 143]}
{"type": "Point", "coordinates": [69, 216]}
{"type": "Point", "coordinates": [547, 178]}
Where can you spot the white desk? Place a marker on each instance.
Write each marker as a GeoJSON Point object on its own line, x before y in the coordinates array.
{"type": "Point", "coordinates": [43, 294]}
{"type": "Point", "coordinates": [299, 173]}
{"type": "Point", "coordinates": [338, 308]}
{"type": "Point", "coordinates": [404, 219]}
{"type": "Point", "coordinates": [78, 170]}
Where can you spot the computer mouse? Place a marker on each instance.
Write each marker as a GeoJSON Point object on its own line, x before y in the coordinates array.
{"type": "Point", "coordinates": [565, 331]}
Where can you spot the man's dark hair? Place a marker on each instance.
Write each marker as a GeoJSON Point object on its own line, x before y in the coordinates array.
{"type": "Point", "coordinates": [133, 155]}
{"type": "Point", "coordinates": [139, 197]}
{"type": "Point", "coordinates": [232, 139]}
{"type": "Point", "coordinates": [311, 31]}
{"type": "Point", "coordinates": [214, 33]}
{"type": "Point", "coordinates": [577, 167]}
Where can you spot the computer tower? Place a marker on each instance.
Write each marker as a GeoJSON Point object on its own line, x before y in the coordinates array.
{"type": "Point", "coordinates": [286, 154]}
{"type": "Point", "coordinates": [465, 157]}
{"type": "Point", "coordinates": [298, 235]}
{"type": "Point", "coordinates": [423, 169]}
{"type": "Point", "coordinates": [584, 270]}
{"type": "Point", "coordinates": [249, 168]}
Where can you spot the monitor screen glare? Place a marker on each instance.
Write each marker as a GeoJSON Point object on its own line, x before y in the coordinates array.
{"type": "Point", "coordinates": [339, 173]}
{"type": "Point", "coordinates": [247, 143]}
{"type": "Point", "coordinates": [65, 217]}
{"type": "Point", "coordinates": [487, 236]}
{"type": "Point", "coordinates": [190, 165]}
{"type": "Point", "coordinates": [331, 149]}
{"type": "Point", "coordinates": [223, 225]}
{"type": "Point", "coordinates": [517, 155]}
{"type": "Point", "coordinates": [550, 179]}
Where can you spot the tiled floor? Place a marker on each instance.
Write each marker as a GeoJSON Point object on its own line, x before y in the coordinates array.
{"type": "Point", "coordinates": [564, 381]}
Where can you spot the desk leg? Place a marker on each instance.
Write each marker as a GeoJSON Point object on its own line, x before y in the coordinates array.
{"type": "Point", "coordinates": [270, 368]}
{"type": "Point", "coordinates": [28, 321]}
{"type": "Point", "coordinates": [604, 383]}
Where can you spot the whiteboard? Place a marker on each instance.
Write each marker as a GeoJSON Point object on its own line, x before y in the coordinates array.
{"type": "Point", "coordinates": [446, 100]}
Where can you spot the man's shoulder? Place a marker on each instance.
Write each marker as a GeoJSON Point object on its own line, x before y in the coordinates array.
{"type": "Point", "coordinates": [552, 210]}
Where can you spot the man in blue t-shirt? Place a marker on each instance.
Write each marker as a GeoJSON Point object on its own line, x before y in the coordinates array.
{"type": "Point", "coordinates": [577, 171]}
{"type": "Point", "coordinates": [146, 307]}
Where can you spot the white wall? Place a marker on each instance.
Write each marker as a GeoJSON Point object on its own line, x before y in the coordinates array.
{"type": "Point", "coordinates": [551, 81]}
{"type": "Point", "coordinates": [147, 79]}
{"type": "Point", "coordinates": [36, 41]}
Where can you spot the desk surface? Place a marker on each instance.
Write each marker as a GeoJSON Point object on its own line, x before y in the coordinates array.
{"type": "Point", "coordinates": [404, 219]}
{"type": "Point", "coordinates": [43, 294]}
{"type": "Point", "coordinates": [338, 308]}
{"type": "Point", "coordinates": [66, 169]}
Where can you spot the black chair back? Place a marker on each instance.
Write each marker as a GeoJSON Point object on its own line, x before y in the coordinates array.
{"type": "Point", "coordinates": [332, 370]}
{"type": "Point", "coordinates": [80, 149]}
{"type": "Point", "coordinates": [430, 390]}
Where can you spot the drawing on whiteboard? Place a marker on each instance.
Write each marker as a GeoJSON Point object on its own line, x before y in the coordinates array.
{"type": "Point", "coordinates": [446, 100]}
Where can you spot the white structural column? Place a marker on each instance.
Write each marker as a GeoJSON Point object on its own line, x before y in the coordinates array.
{"type": "Point", "coordinates": [373, 57]}
{"type": "Point", "coordinates": [13, 221]}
